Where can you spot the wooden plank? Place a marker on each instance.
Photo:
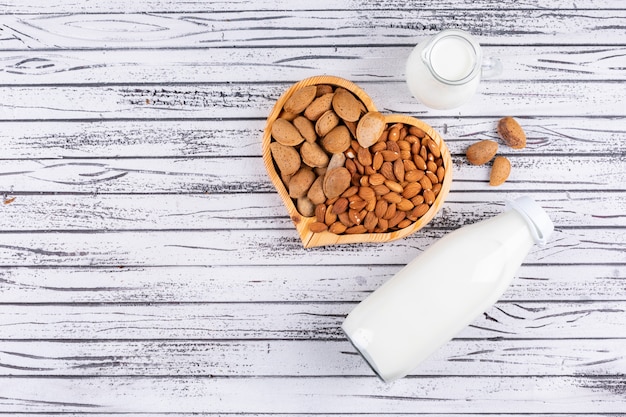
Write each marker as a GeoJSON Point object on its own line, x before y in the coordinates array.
{"type": "Point", "coordinates": [579, 394]}
{"type": "Point", "coordinates": [265, 211]}
{"type": "Point", "coordinates": [138, 6]}
{"type": "Point", "coordinates": [280, 64]}
{"type": "Point", "coordinates": [248, 175]}
{"type": "Point", "coordinates": [291, 320]}
{"type": "Point", "coordinates": [269, 247]}
{"type": "Point", "coordinates": [304, 358]}
{"type": "Point", "coordinates": [344, 283]}
{"type": "Point", "coordinates": [228, 138]}
{"type": "Point", "coordinates": [325, 27]}
{"type": "Point", "coordinates": [216, 101]}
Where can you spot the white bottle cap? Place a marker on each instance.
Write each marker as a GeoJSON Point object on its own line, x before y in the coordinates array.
{"type": "Point", "coordinates": [540, 224]}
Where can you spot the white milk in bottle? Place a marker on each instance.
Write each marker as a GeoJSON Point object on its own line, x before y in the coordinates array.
{"type": "Point", "coordinates": [444, 289]}
{"type": "Point", "coordinates": [444, 71]}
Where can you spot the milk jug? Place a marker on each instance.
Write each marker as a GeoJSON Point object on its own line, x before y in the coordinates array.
{"type": "Point", "coordinates": [444, 71]}
{"type": "Point", "coordinates": [444, 289]}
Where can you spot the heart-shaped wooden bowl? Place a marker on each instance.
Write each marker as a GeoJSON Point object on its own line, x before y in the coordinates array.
{"type": "Point", "coordinates": [302, 223]}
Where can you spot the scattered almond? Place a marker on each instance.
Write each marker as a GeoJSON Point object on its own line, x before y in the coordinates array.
{"type": "Point", "coordinates": [499, 171]}
{"type": "Point", "coordinates": [481, 152]}
{"type": "Point", "coordinates": [512, 133]}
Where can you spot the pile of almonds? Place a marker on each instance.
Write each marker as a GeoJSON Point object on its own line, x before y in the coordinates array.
{"type": "Point", "coordinates": [350, 169]}
{"type": "Point", "coordinates": [482, 152]}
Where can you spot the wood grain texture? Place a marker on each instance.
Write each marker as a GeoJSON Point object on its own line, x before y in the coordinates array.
{"type": "Point", "coordinates": [246, 175]}
{"type": "Point", "coordinates": [277, 64]}
{"type": "Point", "coordinates": [147, 267]}
{"type": "Point", "coordinates": [123, 6]}
{"type": "Point", "coordinates": [237, 138]}
{"type": "Point", "coordinates": [268, 247]}
{"type": "Point", "coordinates": [287, 321]}
{"type": "Point", "coordinates": [581, 394]}
{"type": "Point", "coordinates": [309, 358]}
{"type": "Point", "coordinates": [325, 27]}
{"type": "Point", "coordinates": [245, 101]}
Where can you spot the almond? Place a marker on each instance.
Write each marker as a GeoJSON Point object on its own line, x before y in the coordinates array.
{"type": "Point", "coordinates": [499, 171]}
{"type": "Point", "coordinates": [286, 133]}
{"type": "Point", "coordinates": [346, 105]}
{"type": "Point", "coordinates": [481, 152]}
{"type": "Point", "coordinates": [369, 129]}
{"type": "Point", "coordinates": [337, 140]}
{"type": "Point", "coordinates": [306, 128]}
{"type": "Point", "coordinates": [319, 106]}
{"type": "Point", "coordinates": [512, 133]}
{"type": "Point", "coordinates": [326, 123]}
{"type": "Point", "coordinates": [313, 155]}
{"type": "Point", "coordinates": [336, 181]}
{"type": "Point", "coordinates": [287, 158]}
{"type": "Point", "coordinates": [301, 182]}
{"type": "Point", "coordinates": [300, 99]}
{"type": "Point", "coordinates": [316, 192]}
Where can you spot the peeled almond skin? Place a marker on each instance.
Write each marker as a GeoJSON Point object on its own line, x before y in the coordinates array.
{"type": "Point", "coordinates": [481, 152]}
{"type": "Point", "coordinates": [499, 171]}
{"type": "Point", "coordinates": [286, 133]}
{"type": "Point", "coordinates": [287, 158]}
{"type": "Point", "coordinates": [369, 129]}
{"type": "Point", "coordinates": [300, 99]}
{"type": "Point", "coordinates": [346, 105]}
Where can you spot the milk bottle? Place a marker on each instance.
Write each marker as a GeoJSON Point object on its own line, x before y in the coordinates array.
{"type": "Point", "coordinates": [444, 289]}
{"type": "Point", "coordinates": [444, 71]}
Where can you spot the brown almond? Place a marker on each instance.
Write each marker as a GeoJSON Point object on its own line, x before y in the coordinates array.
{"type": "Point", "coordinates": [340, 205]}
{"type": "Point", "coordinates": [337, 140]}
{"type": "Point", "coordinates": [420, 210]}
{"type": "Point", "coordinates": [306, 128]}
{"type": "Point", "coordinates": [286, 133]}
{"type": "Point", "coordinates": [300, 99]}
{"type": "Point", "coordinates": [324, 89]}
{"type": "Point", "coordinates": [381, 208]}
{"type": "Point", "coordinates": [398, 170]}
{"type": "Point", "coordinates": [429, 197]}
{"type": "Point", "coordinates": [370, 128]}
{"type": "Point", "coordinates": [371, 221]}
{"type": "Point", "coordinates": [337, 228]}
{"type": "Point", "coordinates": [356, 229]}
{"type": "Point", "coordinates": [512, 133]}
{"type": "Point", "coordinates": [433, 148]}
{"type": "Point", "coordinates": [499, 171]}
{"type": "Point", "coordinates": [313, 155]}
{"type": "Point", "coordinates": [394, 186]}
{"type": "Point", "coordinates": [346, 105]}
{"type": "Point", "coordinates": [301, 182]}
{"type": "Point", "coordinates": [319, 106]}
{"type": "Point", "coordinates": [411, 190]}
{"type": "Point", "coordinates": [387, 170]}
{"type": "Point", "coordinates": [364, 156]}
{"type": "Point", "coordinates": [377, 179]}
{"type": "Point", "coordinates": [326, 123]}
{"type": "Point", "coordinates": [320, 212]}
{"type": "Point", "coordinates": [318, 227]}
{"type": "Point", "coordinates": [419, 162]}
{"type": "Point", "coordinates": [405, 205]}
{"type": "Point", "coordinates": [481, 152]}
{"type": "Point", "coordinates": [287, 158]}
{"type": "Point", "coordinates": [336, 181]}
{"type": "Point", "coordinates": [416, 131]}
{"type": "Point", "coordinates": [413, 175]}
{"type": "Point", "coordinates": [316, 192]}
{"type": "Point", "coordinates": [305, 206]}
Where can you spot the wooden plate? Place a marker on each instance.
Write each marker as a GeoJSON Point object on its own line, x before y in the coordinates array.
{"type": "Point", "coordinates": [310, 239]}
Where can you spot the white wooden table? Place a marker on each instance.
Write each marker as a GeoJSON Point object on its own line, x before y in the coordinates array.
{"type": "Point", "coordinates": [148, 267]}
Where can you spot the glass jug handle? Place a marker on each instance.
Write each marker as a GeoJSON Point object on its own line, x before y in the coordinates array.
{"type": "Point", "coordinates": [491, 67]}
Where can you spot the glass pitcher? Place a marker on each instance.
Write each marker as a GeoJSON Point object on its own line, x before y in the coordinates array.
{"type": "Point", "coordinates": [444, 71]}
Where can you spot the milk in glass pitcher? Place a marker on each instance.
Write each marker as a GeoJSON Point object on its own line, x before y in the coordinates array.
{"type": "Point", "coordinates": [444, 71]}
